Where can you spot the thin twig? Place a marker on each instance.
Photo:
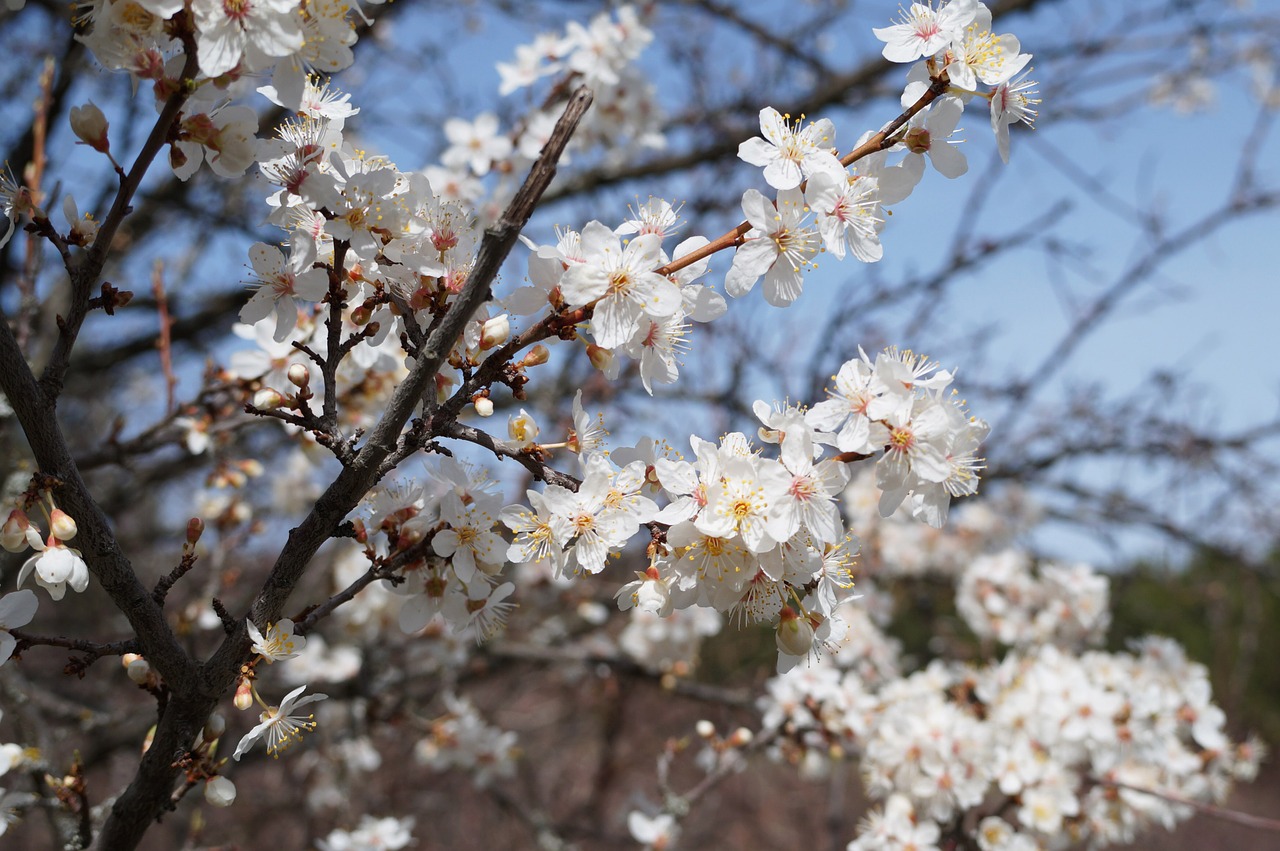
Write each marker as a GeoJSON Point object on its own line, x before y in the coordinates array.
{"type": "Point", "coordinates": [1234, 816]}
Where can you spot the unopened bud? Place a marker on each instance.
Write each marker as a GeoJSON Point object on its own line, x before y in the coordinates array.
{"type": "Point", "coordinates": [244, 695]}
{"type": "Point", "coordinates": [794, 635]}
{"type": "Point", "coordinates": [299, 375]}
{"type": "Point", "coordinates": [600, 357]}
{"type": "Point", "coordinates": [495, 332]}
{"type": "Point", "coordinates": [741, 737]}
{"type": "Point", "coordinates": [90, 126]}
{"type": "Point", "coordinates": [536, 356]}
{"type": "Point", "coordinates": [220, 792]}
{"type": "Point", "coordinates": [128, 659]}
{"type": "Point", "coordinates": [214, 727]}
{"type": "Point", "coordinates": [61, 525]}
{"type": "Point", "coordinates": [195, 528]}
{"type": "Point", "coordinates": [360, 315]}
{"type": "Point", "coordinates": [13, 537]}
{"type": "Point", "coordinates": [139, 671]}
{"type": "Point", "coordinates": [705, 729]}
{"type": "Point", "coordinates": [267, 399]}
{"type": "Point", "coordinates": [484, 406]}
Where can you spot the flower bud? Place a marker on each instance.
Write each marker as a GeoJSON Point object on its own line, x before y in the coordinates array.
{"type": "Point", "coordinates": [90, 126]}
{"type": "Point", "coordinates": [128, 659]}
{"type": "Point", "coordinates": [537, 356]}
{"type": "Point", "coordinates": [13, 537]}
{"type": "Point", "coordinates": [61, 525]}
{"type": "Point", "coordinates": [795, 634]}
{"type": "Point", "coordinates": [139, 671]}
{"type": "Point", "coordinates": [705, 729]}
{"type": "Point", "coordinates": [299, 375]}
{"type": "Point", "coordinates": [484, 406]}
{"type": "Point", "coordinates": [360, 315]}
{"type": "Point", "coordinates": [195, 528]}
{"type": "Point", "coordinates": [214, 727]}
{"type": "Point", "coordinates": [244, 695]}
{"type": "Point", "coordinates": [220, 792]}
{"type": "Point", "coordinates": [267, 399]}
{"type": "Point", "coordinates": [740, 737]}
{"type": "Point", "coordinates": [600, 357]}
{"type": "Point", "coordinates": [495, 332]}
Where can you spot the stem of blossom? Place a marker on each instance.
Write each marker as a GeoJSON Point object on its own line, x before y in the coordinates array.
{"type": "Point", "coordinates": [1235, 816]}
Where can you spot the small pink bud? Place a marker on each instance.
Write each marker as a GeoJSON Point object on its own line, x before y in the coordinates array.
{"type": "Point", "coordinates": [244, 695]}
{"type": "Point", "coordinates": [90, 126]}
{"type": "Point", "coordinates": [537, 356]}
{"type": "Point", "coordinates": [61, 525]}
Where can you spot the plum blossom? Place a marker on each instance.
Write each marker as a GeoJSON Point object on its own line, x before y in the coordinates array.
{"type": "Point", "coordinates": [16, 609]}
{"type": "Point", "coordinates": [924, 31]}
{"type": "Point", "coordinates": [788, 153]}
{"type": "Point", "coordinates": [224, 138]}
{"type": "Point", "coordinates": [281, 725]}
{"type": "Point", "coordinates": [621, 281]}
{"type": "Point", "coordinates": [279, 282]}
{"type": "Point", "coordinates": [249, 32]}
{"type": "Point", "coordinates": [278, 642]}
{"type": "Point", "coordinates": [1012, 102]}
{"type": "Point", "coordinates": [779, 246]}
{"type": "Point", "coordinates": [56, 566]}
{"type": "Point", "coordinates": [476, 145]}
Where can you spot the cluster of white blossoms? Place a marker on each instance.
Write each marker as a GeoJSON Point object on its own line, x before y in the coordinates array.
{"type": "Point", "coordinates": [822, 206]}
{"type": "Point", "coordinates": [756, 537]}
{"type": "Point", "coordinates": [1029, 749]}
{"type": "Point", "coordinates": [461, 739]}
{"type": "Point", "coordinates": [372, 834]}
{"type": "Point", "coordinates": [624, 116]}
{"type": "Point", "coordinates": [1000, 598]}
{"type": "Point", "coordinates": [1042, 749]}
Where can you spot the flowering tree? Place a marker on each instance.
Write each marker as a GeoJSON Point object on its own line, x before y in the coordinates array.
{"type": "Point", "coordinates": [367, 551]}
